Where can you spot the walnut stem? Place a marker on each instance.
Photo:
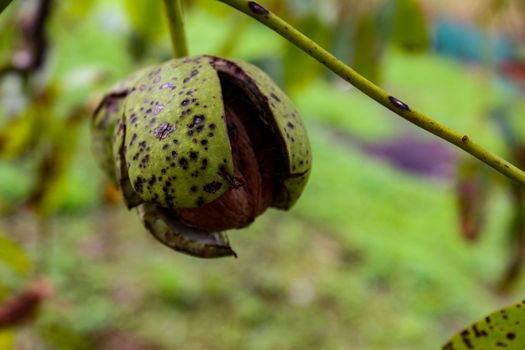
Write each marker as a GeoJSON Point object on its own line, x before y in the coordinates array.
{"type": "Point", "coordinates": [174, 14]}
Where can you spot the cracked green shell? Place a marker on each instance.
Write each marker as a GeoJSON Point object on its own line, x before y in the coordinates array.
{"type": "Point", "coordinates": [174, 141]}
{"type": "Point", "coordinates": [161, 135]}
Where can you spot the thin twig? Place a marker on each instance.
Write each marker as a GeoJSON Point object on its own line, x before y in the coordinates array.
{"type": "Point", "coordinates": [463, 141]}
{"type": "Point", "coordinates": [174, 13]}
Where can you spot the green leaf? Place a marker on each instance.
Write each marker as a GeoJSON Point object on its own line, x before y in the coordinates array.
{"type": "Point", "coordinates": [12, 255]}
{"type": "Point", "coordinates": [367, 50]}
{"type": "Point", "coordinates": [146, 18]}
{"type": "Point", "coordinates": [79, 9]}
{"type": "Point", "coordinates": [55, 168]}
{"type": "Point", "coordinates": [7, 340]}
{"type": "Point", "coordinates": [62, 337]}
{"type": "Point", "coordinates": [409, 26]}
{"type": "Point", "coordinates": [301, 69]}
{"type": "Point", "coordinates": [9, 28]}
{"type": "Point", "coordinates": [16, 136]}
{"type": "Point", "coordinates": [502, 329]}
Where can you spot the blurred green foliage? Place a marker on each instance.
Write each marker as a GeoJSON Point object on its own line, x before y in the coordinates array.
{"type": "Point", "coordinates": [13, 256]}
{"type": "Point", "coordinates": [370, 258]}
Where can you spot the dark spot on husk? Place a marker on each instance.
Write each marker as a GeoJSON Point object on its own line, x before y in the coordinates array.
{"type": "Point", "coordinates": [139, 184]}
{"type": "Point", "coordinates": [158, 108]}
{"type": "Point", "coordinates": [166, 85]}
{"type": "Point", "coordinates": [155, 72]}
{"type": "Point", "coordinates": [164, 130]}
{"type": "Point", "coordinates": [198, 119]}
{"type": "Point", "coordinates": [193, 188]}
{"type": "Point", "coordinates": [144, 161]}
{"type": "Point", "coordinates": [183, 162]}
{"type": "Point", "coordinates": [212, 187]}
{"type": "Point", "coordinates": [133, 139]}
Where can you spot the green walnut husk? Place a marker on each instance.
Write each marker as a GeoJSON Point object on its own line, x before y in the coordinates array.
{"type": "Point", "coordinates": [201, 145]}
{"type": "Point", "coordinates": [106, 117]}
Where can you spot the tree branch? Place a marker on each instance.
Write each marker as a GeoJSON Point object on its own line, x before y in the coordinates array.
{"type": "Point", "coordinates": [261, 14]}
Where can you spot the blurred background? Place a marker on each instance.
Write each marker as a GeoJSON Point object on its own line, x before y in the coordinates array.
{"type": "Point", "coordinates": [398, 242]}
